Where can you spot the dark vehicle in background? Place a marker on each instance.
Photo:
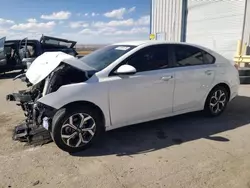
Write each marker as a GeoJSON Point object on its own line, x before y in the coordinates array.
{"type": "Point", "coordinates": [19, 54]}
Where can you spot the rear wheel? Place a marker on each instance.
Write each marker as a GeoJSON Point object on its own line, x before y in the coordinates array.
{"type": "Point", "coordinates": [76, 128]}
{"type": "Point", "coordinates": [217, 101]}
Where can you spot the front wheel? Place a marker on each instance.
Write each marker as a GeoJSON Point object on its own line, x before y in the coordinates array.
{"type": "Point", "coordinates": [216, 101]}
{"type": "Point", "coordinates": [76, 128]}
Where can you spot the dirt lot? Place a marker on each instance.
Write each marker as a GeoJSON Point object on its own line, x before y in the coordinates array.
{"type": "Point", "coordinates": [186, 151]}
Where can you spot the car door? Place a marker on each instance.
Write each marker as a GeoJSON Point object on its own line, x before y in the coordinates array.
{"type": "Point", "coordinates": [146, 95]}
{"type": "Point", "coordinates": [3, 60]}
{"type": "Point", "coordinates": [22, 49]}
{"type": "Point", "coordinates": [194, 73]}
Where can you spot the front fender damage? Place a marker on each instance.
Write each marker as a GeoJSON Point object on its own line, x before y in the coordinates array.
{"type": "Point", "coordinates": [64, 95]}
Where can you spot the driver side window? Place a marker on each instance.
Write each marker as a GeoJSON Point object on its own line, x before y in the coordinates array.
{"type": "Point", "coordinates": [150, 58]}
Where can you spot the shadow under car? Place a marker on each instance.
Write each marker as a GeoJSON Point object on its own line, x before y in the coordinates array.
{"type": "Point", "coordinates": [155, 135]}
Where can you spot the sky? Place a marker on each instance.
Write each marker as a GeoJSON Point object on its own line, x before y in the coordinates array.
{"type": "Point", "coordinates": [86, 21]}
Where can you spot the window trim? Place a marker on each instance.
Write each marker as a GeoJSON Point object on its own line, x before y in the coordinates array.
{"type": "Point", "coordinates": [202, 50]}
{"type": "Point", "coordinates": [170, 59]}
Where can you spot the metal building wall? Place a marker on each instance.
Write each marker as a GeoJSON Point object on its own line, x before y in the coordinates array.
{"type": "Point", "coordinates": [166, 19]}
{"type": "Point", "coordinates": [246, 31]}
{"type": "Point", "coordinates": [216, 24]}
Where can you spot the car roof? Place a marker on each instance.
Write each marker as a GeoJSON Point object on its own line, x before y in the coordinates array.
{"type": "Point", "coordinates": [153, 42]}
{"type": "Point", "coordinates": [17, 41]}
{"type": "Point", "coordinates": [145, 43]}
{"type": "Point", "coordinates": [131, 43]}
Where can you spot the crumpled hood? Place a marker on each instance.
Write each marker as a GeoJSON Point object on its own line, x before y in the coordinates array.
{"type": "Point", "coordinates": [46, 63]}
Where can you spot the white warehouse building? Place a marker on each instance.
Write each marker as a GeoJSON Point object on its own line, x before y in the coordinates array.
{"type": "Point", "coordinates": [216, 24]}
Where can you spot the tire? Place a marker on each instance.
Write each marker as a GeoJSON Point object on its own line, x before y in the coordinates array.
{"type": "Point", "coordinates": [211, 111]}
{"type": "Point", "coordinates": [62, 128]}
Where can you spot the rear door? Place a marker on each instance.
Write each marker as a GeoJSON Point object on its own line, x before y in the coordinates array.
{"type": "Point", "coordinates": [2, 52]}
{"type": "Point", "coordinates": [194, 73]}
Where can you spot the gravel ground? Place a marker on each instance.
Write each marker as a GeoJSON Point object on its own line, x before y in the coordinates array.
{"type": "Point", "coordinates": [187, 151]}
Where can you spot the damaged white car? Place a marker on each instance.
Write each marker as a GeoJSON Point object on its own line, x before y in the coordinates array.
{"type": "Point", "coordinates": [73, 101]}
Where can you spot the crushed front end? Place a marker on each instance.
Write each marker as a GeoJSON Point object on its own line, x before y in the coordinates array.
{"type": "Point", "coordinates": [36, 115]}
{"type": "Point", "coordinates": [36, 127]}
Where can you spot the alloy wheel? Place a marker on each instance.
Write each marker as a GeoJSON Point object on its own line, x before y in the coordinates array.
{"type": "Point", "coordinates": [78, 130]}
{"type": "Point", "coordinates": [218, 101]}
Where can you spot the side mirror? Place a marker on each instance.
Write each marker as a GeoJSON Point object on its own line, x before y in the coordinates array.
{"type": "Point", "coordinates": [126, 70]}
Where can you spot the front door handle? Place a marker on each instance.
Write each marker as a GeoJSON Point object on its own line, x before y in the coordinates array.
{"type": "Point", "coordinates": [166, 78]}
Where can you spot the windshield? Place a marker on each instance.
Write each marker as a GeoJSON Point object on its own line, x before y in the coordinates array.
{"type": "Point", "coordinates": [103, 57]}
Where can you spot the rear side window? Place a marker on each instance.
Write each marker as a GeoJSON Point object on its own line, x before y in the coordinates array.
{"type": "Point", "coordinates": [208, 58]}
{"type": "Point", "coordinates": [189, 56]}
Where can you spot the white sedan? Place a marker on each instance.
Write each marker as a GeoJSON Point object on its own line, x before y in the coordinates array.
{"type": "Point", "coordinates": [128, 83]}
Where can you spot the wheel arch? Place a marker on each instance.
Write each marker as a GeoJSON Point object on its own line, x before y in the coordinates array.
{"type": "Point", "coordinates": [222, 84]}
{"type": "Point", "coordinates": [226, 86]}
{"type": "Point", "coordinates": [89, 104]}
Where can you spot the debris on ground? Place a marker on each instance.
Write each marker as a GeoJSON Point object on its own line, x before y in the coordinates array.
{"type": "Point", "coordinates": [36, 183]}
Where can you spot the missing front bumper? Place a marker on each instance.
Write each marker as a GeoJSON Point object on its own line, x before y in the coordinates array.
{"type": "Point", "coordinates": [31, 135]}
{"type": "Point", "coordinates": [22, 96]}
{"type": "Point", "coordinates": [32, 130]}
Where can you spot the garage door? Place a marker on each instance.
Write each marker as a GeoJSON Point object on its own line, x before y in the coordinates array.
{"type": "Point", "coordinates": [216, 24]}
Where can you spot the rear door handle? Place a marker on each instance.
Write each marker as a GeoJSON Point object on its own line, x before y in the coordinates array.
{"type": "Point", "coordinates": [166, 78]}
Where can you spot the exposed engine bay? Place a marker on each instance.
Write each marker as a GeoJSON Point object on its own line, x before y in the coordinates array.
{"type": "Point", "coordinates": [35, 128]}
